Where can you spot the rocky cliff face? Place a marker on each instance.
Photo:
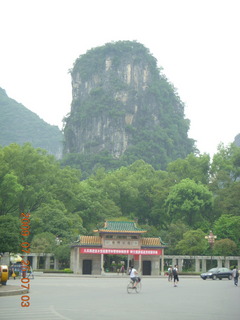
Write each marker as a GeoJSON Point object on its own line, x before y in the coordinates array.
{"type": "Point", "coordinates": [121, 103]}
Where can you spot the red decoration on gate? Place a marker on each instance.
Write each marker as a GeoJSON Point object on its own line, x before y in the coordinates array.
{"type": "Point", "coordinates": [135, 252]}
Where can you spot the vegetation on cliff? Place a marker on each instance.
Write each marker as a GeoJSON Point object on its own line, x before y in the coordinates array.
{"type": "Point", "coordinates": [20, 125]}
{"type": "Point", "coordinates": [158, 132]}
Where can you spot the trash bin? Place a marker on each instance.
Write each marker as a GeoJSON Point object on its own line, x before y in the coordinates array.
{"type": "Point", "coordinates": [4, 274]}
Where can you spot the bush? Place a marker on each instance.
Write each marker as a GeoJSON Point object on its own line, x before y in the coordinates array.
{"type": "Point", "coordinates": [57, 271]}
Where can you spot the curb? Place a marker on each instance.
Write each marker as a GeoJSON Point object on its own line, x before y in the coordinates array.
{"type": "Point", "coordinates": [106, 276]}
{"type": "Point", "coordinates": [9, 290]}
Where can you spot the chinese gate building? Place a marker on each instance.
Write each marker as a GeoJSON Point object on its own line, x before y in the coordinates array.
{"type": "Point", "coordinates": [118, 238]}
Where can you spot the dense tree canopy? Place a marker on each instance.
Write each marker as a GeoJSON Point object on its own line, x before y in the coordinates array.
{"type": "Point", "coordinates": [179, 205]}
{"type": "Point", "coordinates": [193, 243]}
{"type": "Point", "coordinates": [225, 247]}
{"type": "Point", "coordinates": [10, 241]}
{"type": "Point", "coordinates": [190, 202]}
{"type": "Point", "coordinates": [227, 227]}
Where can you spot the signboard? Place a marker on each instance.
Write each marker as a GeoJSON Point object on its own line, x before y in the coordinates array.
{"type": "Point", "coordinates": [121, 251]}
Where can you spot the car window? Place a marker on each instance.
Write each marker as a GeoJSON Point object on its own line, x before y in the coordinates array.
{"type": "Point", "coordinates": [212, 270]}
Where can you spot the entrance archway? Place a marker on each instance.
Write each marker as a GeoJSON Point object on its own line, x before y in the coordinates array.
{"type": "Point", "coordinates": [113, 263]}
{"type": "Point", "coordinates": [147, 268]}
{"type": "Point", "coordinates": [87, 266]}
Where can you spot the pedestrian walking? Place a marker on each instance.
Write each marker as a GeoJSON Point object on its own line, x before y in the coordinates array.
{"type": "Point", "coordinates": [13, 273]}
{"type": "Point", "coordinates": [30, 273]}
{"type": "Point", "coordinates": [10, 271]}
{"type": "Point", "coordinates": [235, 274]}
{"type": "Point", "coordinates": [175, 276]}
{"type": "Point", "coordinates": [122, 270]}
{"type": "Point", "coordinates": [23, 271]}
{"type": "Point", "coordinates": [170, 269]}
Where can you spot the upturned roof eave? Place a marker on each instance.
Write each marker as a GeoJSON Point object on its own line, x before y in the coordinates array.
{"type": "Point", "coordinates": [121, 231]}
{"type": "Point", "coordinates": [89, 245]}
{"type": "Point", "coordinates": [153, 247]}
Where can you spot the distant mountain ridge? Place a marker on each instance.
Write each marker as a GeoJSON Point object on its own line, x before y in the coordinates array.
{"type": "Point", "coordinates": [20, 125]}
{"type": "Point", "coordinates": [237, 140]}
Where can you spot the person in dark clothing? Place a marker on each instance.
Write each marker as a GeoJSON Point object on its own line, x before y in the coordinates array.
{"type": "Point", "coordinates": [175, 276]}
{"type": "Point", "coordinates": [235, 274]}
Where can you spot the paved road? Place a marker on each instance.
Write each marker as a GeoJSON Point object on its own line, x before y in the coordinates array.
{"type": "Point", "coordinates": [80, 298]}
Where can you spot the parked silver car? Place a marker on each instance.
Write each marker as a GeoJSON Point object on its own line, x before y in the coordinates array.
{"type": "Point", "coordinates": [217, 273]}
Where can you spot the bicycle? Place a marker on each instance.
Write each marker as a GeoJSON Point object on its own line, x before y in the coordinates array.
{"type": "Point", "coordinates": [30, 275]}
{"type": "Point", "coordinates": [136, 289]}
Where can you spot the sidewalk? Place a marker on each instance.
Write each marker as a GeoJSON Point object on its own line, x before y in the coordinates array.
{"type": "Point", "coordinates": [11, 290]}
{"type": "Point", "coordinates": [104, 275]}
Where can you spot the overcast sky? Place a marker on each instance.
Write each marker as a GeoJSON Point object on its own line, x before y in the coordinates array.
{"type": "Point", "coordinates": [195, 41]}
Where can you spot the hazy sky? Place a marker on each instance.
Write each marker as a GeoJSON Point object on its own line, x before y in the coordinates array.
{"type": "Point", "coordinates": [195, 41]}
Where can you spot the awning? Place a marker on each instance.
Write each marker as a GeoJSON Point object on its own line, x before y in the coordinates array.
{"type": "Point", "coordinates": [15, 258]}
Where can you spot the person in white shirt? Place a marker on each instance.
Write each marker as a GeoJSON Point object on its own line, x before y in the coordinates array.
{"type": "Point", "coordinates": [133, 276]}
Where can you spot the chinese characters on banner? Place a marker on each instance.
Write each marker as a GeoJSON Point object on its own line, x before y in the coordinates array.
{"type": "Point", "coordinates": [121, 251]}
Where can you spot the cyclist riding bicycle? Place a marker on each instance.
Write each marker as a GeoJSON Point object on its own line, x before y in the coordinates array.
{"type": "Point", "coordinates": [133, 273]}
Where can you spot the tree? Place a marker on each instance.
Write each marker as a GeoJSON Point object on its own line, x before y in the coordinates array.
{"type": "Point", "coordinates": [227, 227]}
{"type": "Point", "coordinates": [62, 253]}
{"type": "Point", "coordinates": [53, 218]}
{"type": "Point", "coordinates": [193, 243]}
{"type": "Point", "coordinates": [173, 235]}
{"type": "Point", "coordinates": [225, 174]}
{"type": "Point", "coordinates": [225, 167]}
{"type": "Point", "coordinates": [93, 205]}
{"type": "Point", "coordinates": [10, 234]}
{"type": "Point", "coordinates": [35, 171]}
{"type": "Point", "coordinates": [10, 192]}
{"type": "Point", "coordinates": [65, 187]}
{"type": "Point", "coordinates": [189, 202]}
{"type": "Point", "coordinates": [192, 167]}
{"type": "Point", "coordinates": [138, 191]}
{"type": "Point", "coordinates": [159, 193]}
{"type": "Point", "coordinates": [227, 200]}
{"type": "Point", "coordinates": [225, 247]}
{"type": "Point", "coordinates": [44, 242]}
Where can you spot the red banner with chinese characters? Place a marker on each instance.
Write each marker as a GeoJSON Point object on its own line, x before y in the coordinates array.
{"type": "Point", "coordinates": [156, 252]}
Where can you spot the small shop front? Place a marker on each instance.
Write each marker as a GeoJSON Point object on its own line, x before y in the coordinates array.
{"type": "Point", "coordinates": [123, 240]}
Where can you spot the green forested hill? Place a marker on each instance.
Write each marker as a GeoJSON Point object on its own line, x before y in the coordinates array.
{"type": "Point", "coordinates": [123, 109]}
{"type": "Point", "coordinates": [20, 125]}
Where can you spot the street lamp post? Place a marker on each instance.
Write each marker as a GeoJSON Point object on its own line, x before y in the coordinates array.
{"type": "Point", "coordinates": [58, 241]}
{"type": "Point", "coordinates": [211, 238]}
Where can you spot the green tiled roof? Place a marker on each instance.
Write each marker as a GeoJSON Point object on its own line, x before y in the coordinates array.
{"type": "Point", "coordinates": [121, 226]}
